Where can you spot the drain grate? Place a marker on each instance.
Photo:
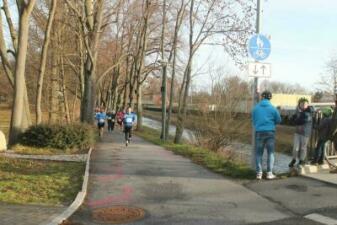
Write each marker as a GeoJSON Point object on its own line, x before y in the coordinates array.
{"type": "Point", "coordinates": [118, 214]}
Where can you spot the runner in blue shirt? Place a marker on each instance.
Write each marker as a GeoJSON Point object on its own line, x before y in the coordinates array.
{"type": "Point", "coordinates": [128, 121]}
{"type": "Point", "coordinates": [100, 117]}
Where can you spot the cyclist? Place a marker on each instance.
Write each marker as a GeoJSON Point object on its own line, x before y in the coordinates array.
{"type": "Point", "coordinates": [100, 117]}
{"type": "Point", "coordinates": [128, 121]}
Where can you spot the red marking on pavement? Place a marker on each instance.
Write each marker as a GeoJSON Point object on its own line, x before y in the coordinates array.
{"type": "Point", "coordinates": [122, 198]}
{"type": "Point", "coordinates": [105, 178]}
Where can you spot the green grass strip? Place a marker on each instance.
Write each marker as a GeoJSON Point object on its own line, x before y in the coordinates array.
{"type": "Point", "coordinates": [39, 182]}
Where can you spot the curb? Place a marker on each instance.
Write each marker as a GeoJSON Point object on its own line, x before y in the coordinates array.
{"type": "Point", "coordinates": [311, 169]}
{"type": "Point", "coordinates": [78, 200]}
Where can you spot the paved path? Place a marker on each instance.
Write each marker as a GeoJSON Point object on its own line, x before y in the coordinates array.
{"type": "Point", "coordinates": [171, 189]}
{"type": "Point", "coordinates": [11, 214]}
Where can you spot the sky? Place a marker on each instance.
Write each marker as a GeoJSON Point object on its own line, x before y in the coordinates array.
{"type": "Point", "coordinates": [303, 38]}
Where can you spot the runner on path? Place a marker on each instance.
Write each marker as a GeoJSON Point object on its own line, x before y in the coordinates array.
{"type": "Point", "coordinates": [100, 117]}
{"type": "Point", "coordinates": [128, 122]}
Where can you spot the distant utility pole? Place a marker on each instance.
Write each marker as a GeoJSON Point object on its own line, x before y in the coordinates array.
{"type": "Point", "coordinates": [163, 62]}
{"type": "Point", "coordinates": [163, 102]}
{"type": "Point", "coordinates": [255, 84]}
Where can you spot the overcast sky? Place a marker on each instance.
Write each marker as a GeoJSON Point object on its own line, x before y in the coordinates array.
{"type": "Point", "coordinates": [303, 37]}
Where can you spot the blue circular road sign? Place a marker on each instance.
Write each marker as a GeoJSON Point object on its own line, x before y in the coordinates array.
{"type": "Point", "coordinates": [259, 47]}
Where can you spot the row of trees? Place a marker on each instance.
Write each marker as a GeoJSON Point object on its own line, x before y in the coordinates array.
{"type": "Point", "coordinates": [66, 57]}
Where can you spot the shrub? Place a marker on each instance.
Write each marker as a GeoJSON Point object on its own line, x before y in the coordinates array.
{"type": "Point", "coordinates": [58, 136]}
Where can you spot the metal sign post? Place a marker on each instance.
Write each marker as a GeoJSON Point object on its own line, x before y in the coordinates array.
{"type": "Point", "coordinates": [255, 95]}
{"type": "Point", "coordinates": [259, 48]}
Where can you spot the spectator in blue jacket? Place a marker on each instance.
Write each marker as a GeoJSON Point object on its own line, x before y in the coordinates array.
{"type": "Point", "coordinates": [265, 117]}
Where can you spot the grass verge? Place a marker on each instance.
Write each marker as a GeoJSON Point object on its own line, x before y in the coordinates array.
{"type": "Point", "coordinates": [28, 150]}
{"type": "Point", "coordinates": [39, 182]}
{"type": "Point", "coordinates": [211, 160]}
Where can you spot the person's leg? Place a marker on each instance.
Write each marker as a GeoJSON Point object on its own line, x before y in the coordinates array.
{"type": "Point", "coordinates": [99, 129]}
{"type": "Point", "coordinates": [303, 148]}
{"type": "Point", "coordinates": [296, 147]}
{"type": "Point", "coordinates": [322, 152]}
{"type": "Point", "coordinates": [318, 152]}
{"type": "Point", "coordinates": [102, 129]}
{"type": "Point", "coordinates": [297, 144]}
{"type": "Point", "coordinates": [126, 133]}
{"type": "Point", "coordinates": [112, 125]}
{"type": "Point", "coordinates": [109, 126]}
{"type": "Point", "coordinates": [270, 145]}
{"type": "Point", "coordinates": [130, 133]}
{"type": "Point", "coordinates": [259, 147]}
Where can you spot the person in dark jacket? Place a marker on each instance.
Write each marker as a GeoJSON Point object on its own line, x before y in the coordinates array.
{"type": "Point", "coordinates": [265, 117]}
{"type": "Point", "coordinates": [303, 122]}
{"type": "Point", "coordinates": [324, 129]}
{"type": "Point", "coordinates": [110, 116]}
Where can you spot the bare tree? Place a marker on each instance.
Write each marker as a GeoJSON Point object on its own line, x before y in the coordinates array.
{"type": "Point", "coordinates": [25, 9]}
{"type": "Point", "coordinates": [328, 81]}
{"type": "Point", "coordinates": [8, 54]}
{"type": "Point", "coordinates": [207, 20]}
{"type": "Point", "coordinates": [44, 61]}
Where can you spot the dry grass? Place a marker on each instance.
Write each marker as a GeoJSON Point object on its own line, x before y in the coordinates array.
{"type": "Point", "coordinates": [284, 134]}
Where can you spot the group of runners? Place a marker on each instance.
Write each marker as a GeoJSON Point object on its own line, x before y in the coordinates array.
{"type": "Point", "coordinates": [125, 119]}
{"type": "Point", "coordinates": [265, 118]}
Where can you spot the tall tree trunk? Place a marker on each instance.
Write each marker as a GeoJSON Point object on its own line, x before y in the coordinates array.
{"type": "Point", "coordinates": [94, 27]}
{"type": "Point", "coordinates": [20, 81]}
{"type": "Point", "coordinates": [44, 61]}
{"type": "Point", "coordinates": [64, 92]}
{"type": "Point", "coordinates": [26, 118]}
{"type": "Point", "coordinates": [54, 84]}
{"type": "Point", "coordinates": [139, 107]}
{"type": "Point", "coordinates": [183, 108]}
{"type": "Point", "coordinates": [139, 71]}
{"type": "Point", "coordinates": [173, 54]}
{"type": "Point", "coordinates": [187, 79]}
{"type": "Point", "coordinates": [74, 106]}
{"type": "Point", "coordinates": [169, 113]}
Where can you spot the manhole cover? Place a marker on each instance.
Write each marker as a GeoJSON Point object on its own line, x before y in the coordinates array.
{"type": "Point", "coordinates": [118, 214]}
{"type": "Point", "coordinates": [67, 222]}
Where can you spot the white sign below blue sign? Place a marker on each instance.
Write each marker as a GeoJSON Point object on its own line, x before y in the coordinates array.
{"type": "Point", "coordinates": [259, 47]}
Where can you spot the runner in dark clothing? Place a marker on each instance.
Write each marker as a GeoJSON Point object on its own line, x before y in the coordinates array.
{"type": "Point", "coordinates": [110, 116]}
